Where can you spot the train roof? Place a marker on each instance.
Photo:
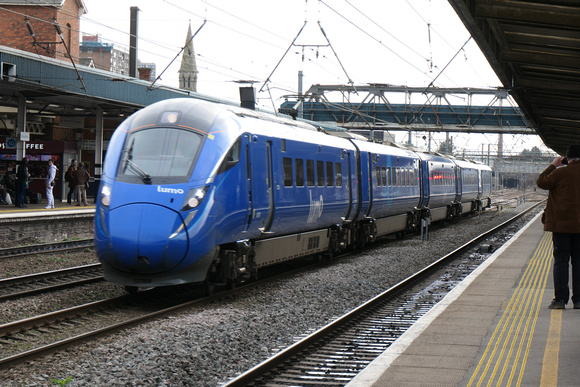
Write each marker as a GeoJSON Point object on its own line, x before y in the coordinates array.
{"type": "Point", "coordinates": [384, 149]}
{"type": "Point", "coordinates": [435, 157]}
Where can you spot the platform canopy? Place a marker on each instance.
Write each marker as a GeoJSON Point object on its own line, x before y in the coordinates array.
{"type": "Point", "coordinates": [534, 48]}
{"type": "Point", "coordinates": [52, 87]}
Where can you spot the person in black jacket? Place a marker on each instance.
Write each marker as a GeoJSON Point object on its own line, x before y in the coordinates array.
{"type": "Point", "coordinates": [22, 176]}
{"type": "Point", "coordinates": [70, 177]}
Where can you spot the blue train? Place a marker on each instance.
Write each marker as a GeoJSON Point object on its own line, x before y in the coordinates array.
{"type": "Point", "coordinates": [195, 191]}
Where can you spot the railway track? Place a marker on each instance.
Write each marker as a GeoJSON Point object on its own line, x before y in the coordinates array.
{"type": "Point", "coordinates": [11, 252]}
{"type": "Point", "coordinates": [57, 330]}
{"type": "Point", "coordinates": [36, 336]}
{"type": "Point", "coordinates": [333, 355]}
{"type": "Point", "coordinates": [27, 285]}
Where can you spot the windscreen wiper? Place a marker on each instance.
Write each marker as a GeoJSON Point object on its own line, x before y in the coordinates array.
{"type": "Point", "coordinates": [140, 172]}
{"type": "Point", "coordinates": [134, 167]}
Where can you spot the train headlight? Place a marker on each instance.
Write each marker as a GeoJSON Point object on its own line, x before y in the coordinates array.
{"type": "Point", "coordinates": [105, 195]}
{"type": "Point", "coordinates": [194, 198]}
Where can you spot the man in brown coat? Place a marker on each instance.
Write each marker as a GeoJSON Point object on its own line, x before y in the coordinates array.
{"type": "Point", "coordinates": [562, 218]}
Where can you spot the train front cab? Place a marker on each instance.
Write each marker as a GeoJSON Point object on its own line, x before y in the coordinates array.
{"type": "Point", "coordinates": [150, 201]}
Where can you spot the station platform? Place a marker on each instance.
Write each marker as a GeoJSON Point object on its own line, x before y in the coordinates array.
{"type": "Point", "coordinates": [11, 211]}
{"type": "Point", "coordinates": [495, 328]}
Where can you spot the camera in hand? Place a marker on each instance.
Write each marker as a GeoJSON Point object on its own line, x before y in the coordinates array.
{"type": "Point", "coordinates": [565, 160]}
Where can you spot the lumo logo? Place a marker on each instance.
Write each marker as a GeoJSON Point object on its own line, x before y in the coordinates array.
{"type": "Point", "coordinates": [177, 191]}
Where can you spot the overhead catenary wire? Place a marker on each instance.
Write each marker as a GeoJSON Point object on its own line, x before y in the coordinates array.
{"type": "Point", "coordinates": [211, 64]}
{"type": "Point", "coordinates": [112, 41]}
{"type": "Point", "coordinates": [194, 14]}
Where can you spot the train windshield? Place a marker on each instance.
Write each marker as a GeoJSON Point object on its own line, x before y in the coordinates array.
{"type": "Point", "coordinates": [165, 153]}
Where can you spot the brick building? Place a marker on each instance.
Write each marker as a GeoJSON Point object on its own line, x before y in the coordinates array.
{"type": "Point", "coordinates": [41, 15]}
{"type": "Point", "coordinates": [105, 56]}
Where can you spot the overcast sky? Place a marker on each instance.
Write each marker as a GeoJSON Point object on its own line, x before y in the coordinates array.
{"type": "Point", "coordinates": [399, 42]}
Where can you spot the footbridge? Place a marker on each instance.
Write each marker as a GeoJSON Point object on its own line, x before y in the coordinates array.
{"type": "Point", "coordinates": [390, 108]}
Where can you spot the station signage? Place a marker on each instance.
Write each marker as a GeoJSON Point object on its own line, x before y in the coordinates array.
{"type": "Point", "coordinates": [44, 147]}
{"type": "Point", "coordinates": [11, 144]}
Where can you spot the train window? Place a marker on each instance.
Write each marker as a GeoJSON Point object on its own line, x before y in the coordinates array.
{"type": "Point", "coordinates": [160, 152]}
{"type": "Point", "coordinates": [399, 178]}
{"type": "Point", "coordinates": [389, 176]}
{"type": "Point", "coordinates": [338, 171]}
{"type": "Point", "coordinates": [384, 176]}
{"type": "Point", "coordinates": [320, 173]}
{"type": "Point", "coordinates": [310, 173]}
{"type": "Point", "coordinates": [232, 157]}
{"type": "Point", "coordinates": [378, 175]}
{"type": "Point", "coordinates": [299, 173]}
{"type": "Point", "coordinates": [329, 174]}
{"type": "Point", "coordinates": [394, 177]}
{"type": "Point", "coordinates": [283, 145]}
{"type": "Point", "coordinates": [287, 164]}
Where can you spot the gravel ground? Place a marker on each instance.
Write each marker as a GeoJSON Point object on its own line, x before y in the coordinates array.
{"type": "Point", "coordinates": [210, 344]}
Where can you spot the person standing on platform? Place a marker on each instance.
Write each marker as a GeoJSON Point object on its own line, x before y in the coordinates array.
{"type": "Point", "coordinates": [51, 175]}
{"type": "Point", "coordinates": [562, 218]}
{"type": "Point", "coordinates": [81, 179]}
{"type": "Point", "coordinates": [69, 177]}
{"type": "Point", "coordinates": [22, 176]}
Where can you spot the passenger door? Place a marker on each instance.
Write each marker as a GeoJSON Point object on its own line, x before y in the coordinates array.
{"type": "Point", "coordinates": [260, 182]}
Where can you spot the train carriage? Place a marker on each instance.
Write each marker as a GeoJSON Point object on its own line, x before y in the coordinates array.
{"type": "Point", "coordinates": [392, 185]}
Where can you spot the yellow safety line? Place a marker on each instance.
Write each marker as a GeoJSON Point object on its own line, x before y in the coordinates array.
{"type": "Point", "coordinates": [524, 314]}
{"type": "Point", "coordinates": [552, 351]}
{"type": "Point", "coordinates": [523, 304]}
{"type": "Point", "coordinates": [508, 316]}
{"type": "Point", "coordinates": [545, 270]}
{"type": "Point", "coordinates": [535, 311]}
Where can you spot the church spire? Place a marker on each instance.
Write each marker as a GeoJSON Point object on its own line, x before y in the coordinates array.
{"type": "Point", "coordinates": [188, 71]}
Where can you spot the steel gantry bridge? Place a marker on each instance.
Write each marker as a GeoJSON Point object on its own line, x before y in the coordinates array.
{"type": "Point", "coordinates": [387, 107]}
